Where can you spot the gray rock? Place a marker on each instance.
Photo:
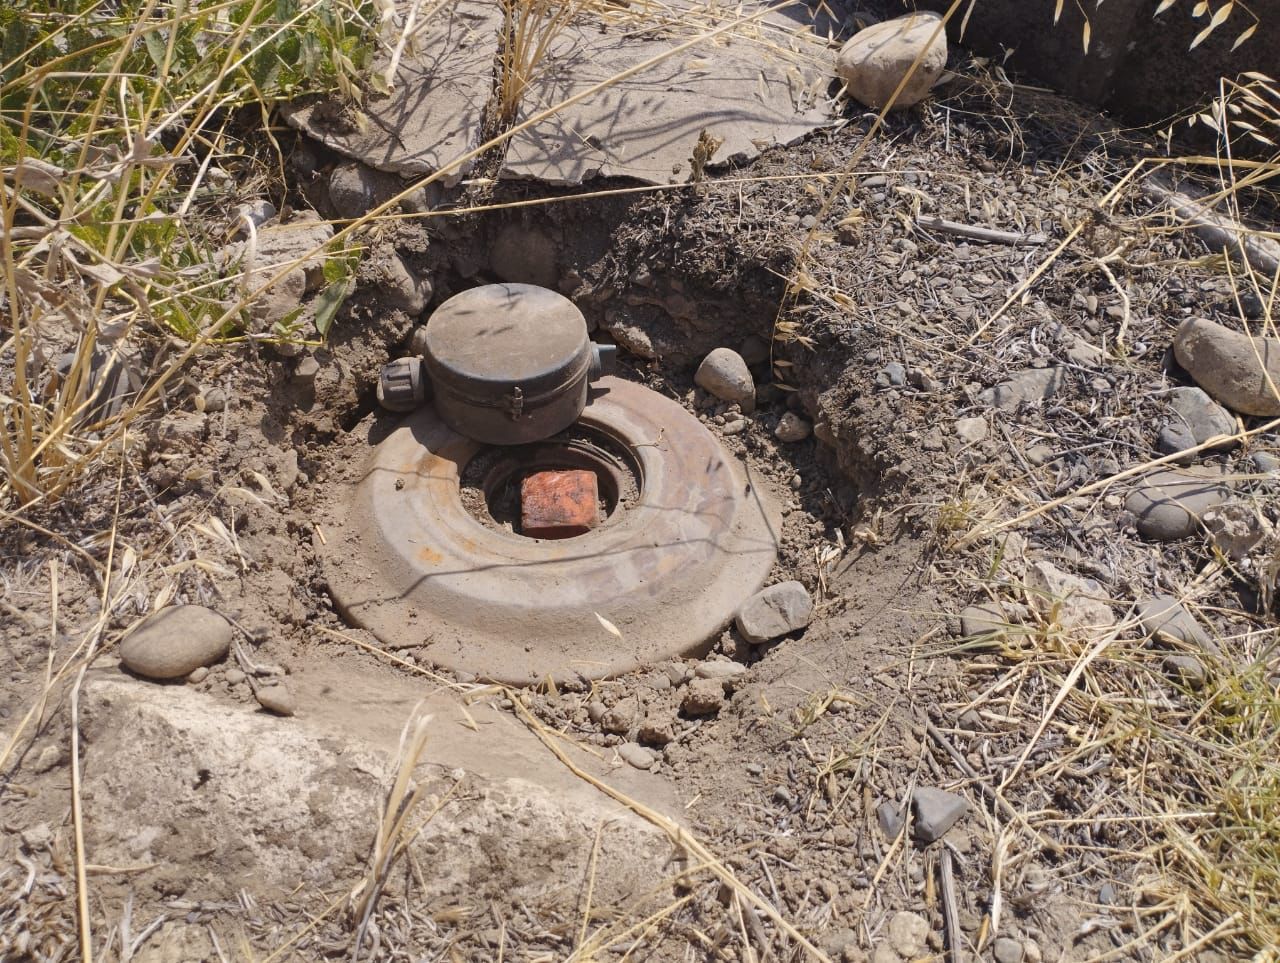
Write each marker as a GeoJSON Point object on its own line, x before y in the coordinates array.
{"type": "Point", "coordinates": [908, 932]}
{"type": "Point", "coordinates": [1075, 603]}
{"type": "Point", "coordinates": [1235, 529]}
{"type": "Point", "coordinates": [620, 719]}
{"type": "Point", "coordinates": [306, 369]}
{"type": "Point", "coordinates": [892, 375]}
{"type": "Point", "coordinates": [874, 61]}
{"type": "Point", "coordinates": [199, 675]}
{"type": "Point", "coordinates": [234, 677]}
{"type": "Point", "coordinates": [985, 618]}
{"type": "Point", "coordinates": [667, 106]}
{"type": "Point", "coordinates": [1007, 950]}
{"type": "Point", "coordinates": [211, 399]}
{"type": "Point", "coordinates": [971, 431]}
{"type": "Point", "coordinates": [1169, 504]}
{"type": "Point", "coordinates": [596, 710]}
{"type": "Point", "coordinates": [276, 698]}
{"type": "Point", "coordinates": [775, 611]}
{"type": "Point", "coordinates": [677, 672]}
{"type": "Point", "coordinates": [176, 641]}
{"type": "Point", "coordinates": [355, 189]}
{"type": "Point", "coordinates": [1164, 618]}
{"type": "Point", "coordinates": [1030, 386]}
{"type": "Point", "coordinates": [720, 671]}
{"type": "Point", "coordinates": [657, 729]}
{"type": "Point", "coordinates": [702, 697]}
{"type": "Point", "coordinates": [889, 816]}
{"type": "Point", "coordinates": [1193, 419]}
{"type": "Point", "coordinates": [400, 287]}
{"type": "Point", "coordinates": [256, 212]}
{"type": "Point", "coordinates": [1039, 454]}
{"type": "Point", "coordinates": [1186, 670]}
{"type": "Point", "coordinates": [792, 428]}
{"type": "Point", "coordinates": [936, 811]}
{"type": "Point", "coordinates": [280, 247]}
{"type": "Point", "coordinates": [1236, 369]}
{"type": "Point", "coordinates": [1265, 463]}
{"type": "Point", "coordinates": [634, 754]}
{"type": "Point", "coordinates": [724, 374]}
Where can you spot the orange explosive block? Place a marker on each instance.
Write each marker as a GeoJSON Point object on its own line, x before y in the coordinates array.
{"type": "Point", "coordinates": [559, 504]}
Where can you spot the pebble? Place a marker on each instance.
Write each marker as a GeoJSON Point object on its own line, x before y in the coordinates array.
{"type": "Point", "coordinates": [50, 756]}
{"type": "Point", "coordinates": [306, 369]}
{"type": "Point", "coordinates": [874, 61]}
{"type": "Point", "coordinates": [1164, 618]}
{"type": "Point", "coordinates": [677, 672]}
{"type": "Point", "coordinates": [784, 796]}
{"type": "Point", "coordinates": [621, 717]}
{"type": "Point", "coordinates": [1029, 386]}
{"type": "Point", "coordinates": [755, 769]}
{"type": "Point", "coordinates": [235, 677]}
{"type": "Point", "coordinates": [983, 619]}
{"type": "Point", "coordinates": [1226, 364]}
{"type": "Point", "coordinates": [400, 287]}
{"type": "Point", "coordinates": [1194, 418]}
{"type": "Point", "coordinates": [775, 611]}
{"type": "Point", "coordinates": [792, 428]}
{"type": "Point", "coordinates": [1074, 603]}
{"type": "Point", "coordinates": [176, 641]}
{"type": "Point", "coordinates": [971, 430]}
{"type": "Point", "coordinates": [634, 754]}
{"type": "Point", "coordinates": [1187, 670]}
{"type": "Point", "coordinates": [702, 697]}
{"type": "Point", "coordinates": [276, 698]}
{"type": "Point", "coordinates": [199, 675]}
{"type": "Point", "coordinates": [256, 213]}
{"type": "Point", "coordinates": [353, 190]}
{"type": "Point", "coordinates": [720, 671]}
{"type": "Point", "coordinates": [1168, 505]}
{"type": "Point", "coordinates": [1235, 529]}
{"type": "Point", "coordinates": [656, 730]}
{"type": "Point", "coordinates": [936, 811]}
{"type": "Point", "coordinates": [211, 399]}
{"type": "Point", "coordinates": [892, 375]}
{"type": "Point", "coordinates": [724, 374]}
{"type": "Point", "coordinates": [596, 711]}
{"type": "Point", "coordinates": [1039, 454]}
{"type": "Point", "coordinates": [908, 932]}
{"type": "Point", "coordinates": [889, 816]}
{"type": "Point", "coordinates": [1264, 462]}
{"type": "Point", "coordinates": [1008, 950]}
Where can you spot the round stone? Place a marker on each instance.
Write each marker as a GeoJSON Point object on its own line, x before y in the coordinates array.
{"type": "Point", "coordinates": [724, 374]}
{"type": "Point", "coordinates": [176, 641]}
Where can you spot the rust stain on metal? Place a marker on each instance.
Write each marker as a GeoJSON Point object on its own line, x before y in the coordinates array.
{"type": "Point", "coordinates": [559, 504]}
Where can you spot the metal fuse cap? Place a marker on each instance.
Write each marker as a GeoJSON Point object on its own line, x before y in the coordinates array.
{"type": "Point", "coordinates": [509, 363]}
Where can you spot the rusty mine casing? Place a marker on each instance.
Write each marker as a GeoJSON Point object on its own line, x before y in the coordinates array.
{"type": "Point", "coordinates": [510, 363]}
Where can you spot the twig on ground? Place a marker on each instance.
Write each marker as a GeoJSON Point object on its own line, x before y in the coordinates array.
{"type": "Point", "coordinates": [950, 907]}
{"type": "Point", "coordinates": [973, 232]}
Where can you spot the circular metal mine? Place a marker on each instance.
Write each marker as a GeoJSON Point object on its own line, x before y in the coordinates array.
{"type": "Point", "coordinates": [426, 551]}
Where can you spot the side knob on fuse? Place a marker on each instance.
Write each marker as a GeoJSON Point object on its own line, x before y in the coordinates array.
{"type": "Point", "coordinates": [403, 384]}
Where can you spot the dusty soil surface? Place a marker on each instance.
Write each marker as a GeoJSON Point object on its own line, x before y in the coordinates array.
{"type": "Point", "coordinates": [798, 780]}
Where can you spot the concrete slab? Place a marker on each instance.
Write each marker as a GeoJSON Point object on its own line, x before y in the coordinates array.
{"type": "Point", "coordinates": [435, 111]}
{"type": "Point", "coordinates": [763, 83]}
{"type": "Point", "coordinates": [215, 795]}
{"type": "Point", "coordinates": [758, 86]}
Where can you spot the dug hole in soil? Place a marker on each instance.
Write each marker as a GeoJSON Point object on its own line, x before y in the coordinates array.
{"type": "Point", "coordinates": [833, 770]}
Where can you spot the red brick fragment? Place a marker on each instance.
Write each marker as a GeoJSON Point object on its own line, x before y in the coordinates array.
{"type": "Point", "coordinates": [559, 504]}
